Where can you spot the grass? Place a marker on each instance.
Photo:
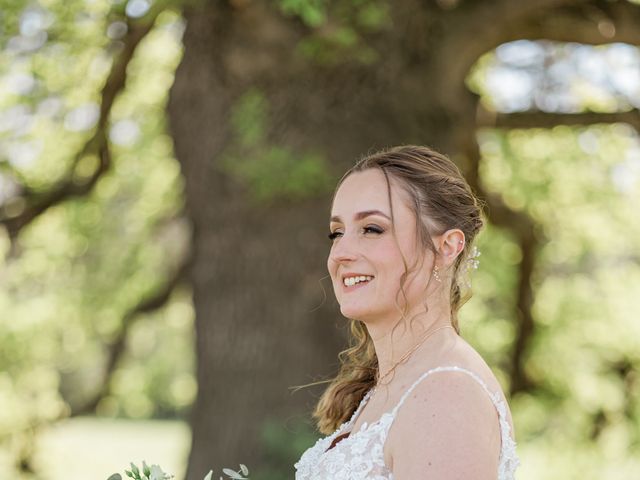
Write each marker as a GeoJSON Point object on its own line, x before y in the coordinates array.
{"type": "Point", "coordinates": [89, 447]}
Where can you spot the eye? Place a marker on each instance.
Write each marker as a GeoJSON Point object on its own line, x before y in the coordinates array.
{"type": "Point", "coordinates": [368, 229]}
{"type": "Point", "coordinates": [374, 229]}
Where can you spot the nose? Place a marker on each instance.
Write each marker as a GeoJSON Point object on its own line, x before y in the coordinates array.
{"type": "Point", "coordinates": [343, 250]}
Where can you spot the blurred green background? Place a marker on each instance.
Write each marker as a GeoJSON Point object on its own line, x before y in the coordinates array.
{"type": "Point", "coordinates": [99, 335]}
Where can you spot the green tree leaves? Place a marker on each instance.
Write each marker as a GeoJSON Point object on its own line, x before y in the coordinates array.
{"type": "Point", "coordinates": [269, 169]}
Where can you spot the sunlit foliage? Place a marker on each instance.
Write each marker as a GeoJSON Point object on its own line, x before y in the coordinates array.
{"type": "Point", "coordinates": [270, 170]}
{"type": "Point", "coordinates": [76, 271]}
{"type": "Point", "coordinates": [582, 186]}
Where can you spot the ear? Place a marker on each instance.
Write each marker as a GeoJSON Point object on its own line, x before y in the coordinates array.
{"type": "Point", "coordinates": [449, 245]}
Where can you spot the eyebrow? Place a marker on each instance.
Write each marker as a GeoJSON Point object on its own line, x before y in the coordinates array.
{"type": "Point", "coordinates": [361, 215]}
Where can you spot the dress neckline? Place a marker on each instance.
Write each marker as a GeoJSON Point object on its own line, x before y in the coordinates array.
{"type": "Point", "coordinates": [350, 434]}
{"type": "Point", "coordinates": [364, 454]}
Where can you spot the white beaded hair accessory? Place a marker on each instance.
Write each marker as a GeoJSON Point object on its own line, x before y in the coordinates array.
{"type": "Point", "coordinates": [471, 264]}
{"type": "Point", "coordinates": [473, 258]}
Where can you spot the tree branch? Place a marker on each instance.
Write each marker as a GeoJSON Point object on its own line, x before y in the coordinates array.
{"type": "Point", "coordinates": [116, 349]}
{"type": "Point", "coordinates": [537, 119]}
{"type": "Point", "coordinates": [592, 22]}
{"type": "Point", "coordinates": [473, 31]}
{"type": "Point", "coordinates": [529, 237]}
{"type": "Point", "coordinates": [21, 210]}
{"type": "Point", "coordinates": [510, 11]}
{"type": "Point", "coordinates": [595, 23]}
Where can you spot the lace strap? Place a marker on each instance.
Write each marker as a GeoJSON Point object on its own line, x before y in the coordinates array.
{"type": "Point", "coordinates": [356, 412]}
{"type": "Point", "coordinates": [495, 398]}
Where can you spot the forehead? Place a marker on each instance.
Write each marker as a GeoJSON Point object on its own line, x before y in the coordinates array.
{"type": "Point", "coordinates": [367, 190]}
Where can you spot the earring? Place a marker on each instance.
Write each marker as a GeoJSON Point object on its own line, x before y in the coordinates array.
{"type": "Point", "coordinates": [436, 274]}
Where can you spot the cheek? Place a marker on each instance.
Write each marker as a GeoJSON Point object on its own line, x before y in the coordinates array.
{"type": "Point", "coordinates": [331, 264]}
{"type": "Point", "coordinates": [332, 268]}
{"type": "Point", "coordinates": [394, 265]}
{"type": "Point", "coordinates": [387, 254]}
{"type": "Point", "coordinates": [391, 263]}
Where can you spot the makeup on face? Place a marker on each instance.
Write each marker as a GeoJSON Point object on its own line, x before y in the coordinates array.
{"type": "Point", "coordinates": [365, 261]}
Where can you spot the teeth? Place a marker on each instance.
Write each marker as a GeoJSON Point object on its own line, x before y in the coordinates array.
{"type": "Point", "coordinates": [349, 281]}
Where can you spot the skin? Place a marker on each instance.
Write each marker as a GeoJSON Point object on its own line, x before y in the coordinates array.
{"type": "Point", "coordinates": [365, 251]}
{"type": "Point", "coordinates": [448, 428]}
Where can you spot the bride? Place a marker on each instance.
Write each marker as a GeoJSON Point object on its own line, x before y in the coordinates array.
{"type": "Point", "coordinates": [412, 400]}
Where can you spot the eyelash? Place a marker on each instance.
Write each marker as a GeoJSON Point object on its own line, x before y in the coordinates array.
{"type": "Point", "coordinates": [373, 229]}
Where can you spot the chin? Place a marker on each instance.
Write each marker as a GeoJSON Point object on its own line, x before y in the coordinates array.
{"type": "Point", "coordinates": [354, 312]}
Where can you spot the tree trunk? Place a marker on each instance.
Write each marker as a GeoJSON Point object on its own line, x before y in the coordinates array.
{"type": "Point", "coordinates": [257, 269]}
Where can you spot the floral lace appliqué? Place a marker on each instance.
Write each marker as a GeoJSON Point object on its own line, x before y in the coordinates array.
{"type": "Point", "coordinates": [360, 455]}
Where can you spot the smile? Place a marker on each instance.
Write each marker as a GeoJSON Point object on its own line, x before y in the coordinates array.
{"type": "Point", "coordinates": [356, 280]}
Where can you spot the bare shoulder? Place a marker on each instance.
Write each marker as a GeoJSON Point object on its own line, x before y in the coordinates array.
{"type": "Point", "coordinates": [448, 426]}
{"type": "Point", "coordinates": [464, 355]}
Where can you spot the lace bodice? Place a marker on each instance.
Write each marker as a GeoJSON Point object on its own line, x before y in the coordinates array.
{"type": "Point", "coordinates": [360, 455]}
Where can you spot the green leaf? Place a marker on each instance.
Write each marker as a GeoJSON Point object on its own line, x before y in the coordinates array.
{"type": "Point", "coordinates": [135, 471]}
{"type": "Point", "coordinates": [232, 474]}
{"type": "Point", "coordinates": [145, 469]}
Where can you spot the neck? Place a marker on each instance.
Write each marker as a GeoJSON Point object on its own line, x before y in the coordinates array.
{"type": "Point", "coordinates": [391, 347]}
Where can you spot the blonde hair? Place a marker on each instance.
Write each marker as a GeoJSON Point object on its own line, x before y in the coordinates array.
{"type": "Point", "coordinates": [441, 200]}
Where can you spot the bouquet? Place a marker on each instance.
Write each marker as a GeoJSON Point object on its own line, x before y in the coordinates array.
{"type": "Point", "coordinates": [154, 472]}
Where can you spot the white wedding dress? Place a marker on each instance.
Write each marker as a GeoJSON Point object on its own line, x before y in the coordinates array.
{"type": "Point", "coordinates": [360, 455]}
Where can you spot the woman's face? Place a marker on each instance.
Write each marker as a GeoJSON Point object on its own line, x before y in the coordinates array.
{"type": "Point", "coordinates": [364, 246]}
